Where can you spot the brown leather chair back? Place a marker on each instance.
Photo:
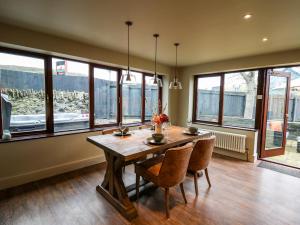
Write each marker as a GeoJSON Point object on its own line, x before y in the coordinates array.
{"type": "Point", "coordinates": [201, 154]}
{"type": "Point", "coordinates": [174, 166]}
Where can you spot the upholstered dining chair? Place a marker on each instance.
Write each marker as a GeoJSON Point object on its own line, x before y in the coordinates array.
{"type": "Point", "coordinates": [165, 171]}
{"type": "Point", "coordinates": [200, 158]}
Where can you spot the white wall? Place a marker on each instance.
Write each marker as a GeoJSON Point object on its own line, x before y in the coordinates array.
{"type": "Point", "coordinates": [25, 161]}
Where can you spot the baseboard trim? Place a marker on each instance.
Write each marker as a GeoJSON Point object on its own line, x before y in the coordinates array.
{"type": "Point", "coordinates": [236, 155]}
{"type": "Point", "coordinates": [12, 181]}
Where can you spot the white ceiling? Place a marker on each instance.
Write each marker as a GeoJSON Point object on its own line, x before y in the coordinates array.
{"type": "Point", "coordinates": [208, 30]}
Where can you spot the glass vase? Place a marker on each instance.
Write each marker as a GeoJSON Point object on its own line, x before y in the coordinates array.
{"type": "Point", "coordinates": [158, 128]}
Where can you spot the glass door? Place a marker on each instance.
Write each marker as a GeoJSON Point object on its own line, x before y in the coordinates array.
{"type": "Point", "coordinates": [275, 115]}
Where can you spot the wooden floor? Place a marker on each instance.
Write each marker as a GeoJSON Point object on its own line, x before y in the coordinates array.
{"type": "Point", "coordinates": [241, 193]}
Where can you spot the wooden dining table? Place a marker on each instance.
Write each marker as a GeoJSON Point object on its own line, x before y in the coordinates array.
{"type": "Point", "coordinates": [119, 151]}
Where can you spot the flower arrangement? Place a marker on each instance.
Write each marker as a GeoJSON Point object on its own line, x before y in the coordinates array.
{"type": "Point", "coordinates": [158, 119]}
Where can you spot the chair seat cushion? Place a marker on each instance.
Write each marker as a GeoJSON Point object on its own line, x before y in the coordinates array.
{"type": "Point", "coordinates": [149, 168]}
{"type": "Point", "coordinates": [155, 169]}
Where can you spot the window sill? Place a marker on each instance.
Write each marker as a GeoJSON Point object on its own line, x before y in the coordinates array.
{"type": "Point", "coordinates": [63, 133]}
{"type": "Point", "coordinates": [229, 127]}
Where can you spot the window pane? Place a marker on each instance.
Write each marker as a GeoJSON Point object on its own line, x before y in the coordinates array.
{"type": "Point", "coordinates": [131, 99]}
{"type": "Point", "coordinates": [22, 80]}
{"type": "Point", "coordinates": [276, 112]}
{"type": "Point", "coordinates": [105, 85]}
{"type": "Point", "coordinates": [208, 92]}
{"type": "Point", "coordinates": [70, 94]}
{"type": "Point", "coordinates": [274, 129]}
{"type": "Point", "coordinates": [151, 98]}
{"type": "Point", "coordinates": [240, 99]}
{"type": "Point", "coordinates": [294, 106]}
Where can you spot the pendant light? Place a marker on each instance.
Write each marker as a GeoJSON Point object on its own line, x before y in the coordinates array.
{"type": "Point", "coordinates": [127, 76]}
{"type": "Point", "coordinates": [175, 84]}
{"type": "Point", "coordinates": [155, 80]}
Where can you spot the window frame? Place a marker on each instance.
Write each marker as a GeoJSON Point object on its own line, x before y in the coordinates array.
{"type": "Point", "coordinates": [93, 66]}
{"type": "Point", "coordinates": [1, 129]}
{"type": "Point", "coordinates": [38, 56]}
{"type": "Point", "coordinates": [257, 113]}
{"type": "Point", "coordinates": [221, 99]}
{"type": "Point", "coordinates": [159, 95]}
{"type": "Point", "coordinates": [51, 89]}
{"type": "Point", "coordinates": [49, 111]}
{"type": "Point", "coordinates": [142, 97]}
{"type": "Point", "coordinates": [220, 123]}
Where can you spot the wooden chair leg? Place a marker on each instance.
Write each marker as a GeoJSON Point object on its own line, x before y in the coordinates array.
{"type": "Point", "coordinates": [183, 194]}
{"type": "Point", "coordinates": [167, 202]}
{"type": "Point", "coordinates": [137, 187]}
{"type": "Point", "coordinates": [196, 182]}
{"type": "Point", "coordinates": [207, 177]}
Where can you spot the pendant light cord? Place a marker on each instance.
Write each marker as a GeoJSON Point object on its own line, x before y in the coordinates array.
{"type": "Point", "coordinates": [155, 74]}
{"type": "Point", "coordinates": [176, 62]}
{"type": "Point", "coordinates": [128, 23]}
{"type": "Point", "coordinates": [128, 48]}
{"type": "Point", "coordinates": [176, 45]}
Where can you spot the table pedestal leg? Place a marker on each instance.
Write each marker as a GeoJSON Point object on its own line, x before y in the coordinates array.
{"type": "Point", "coordinates": [113, 188]}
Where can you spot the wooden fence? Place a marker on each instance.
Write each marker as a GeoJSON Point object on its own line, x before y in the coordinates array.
{"type": "Point", "coordinates": [208, 103]}
{"type": "Point", "coordinates": [234, 105]}
{"type": "Point", "coordinates": [105, 92]}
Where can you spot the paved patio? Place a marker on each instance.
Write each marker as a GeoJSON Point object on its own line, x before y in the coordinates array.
{"type": "Point", "coordinates": [291, 156]}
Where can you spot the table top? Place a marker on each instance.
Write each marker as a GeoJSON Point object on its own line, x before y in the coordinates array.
{"type": "Point", "coordinates": [135, 146]}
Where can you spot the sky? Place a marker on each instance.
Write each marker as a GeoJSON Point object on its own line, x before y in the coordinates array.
{"type": "Point", "coordinates": [73, 67]}
{"type": "Point", "coordinates": [105, 74]}
{"type": "Point", "coordinates": [233, 81]}
{"type": "Point", "coordinates": [83, 68]}
{"type": "Point", "coordinates": [208, 83]}
{"type": "Point", "coordinates": [16, 60]}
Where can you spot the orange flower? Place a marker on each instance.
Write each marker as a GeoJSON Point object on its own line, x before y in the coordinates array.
{"type": "Point", "coordinates": [160, 118]}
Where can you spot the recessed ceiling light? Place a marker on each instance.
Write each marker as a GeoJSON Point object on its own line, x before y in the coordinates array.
{"type": "Point", "coordinates": [247, 16]}
{"type": "Point", "coordinates": [265, 39]}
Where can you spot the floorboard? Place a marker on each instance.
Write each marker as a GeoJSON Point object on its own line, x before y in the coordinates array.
{"type": "Point", "coordinates": [241, 193]}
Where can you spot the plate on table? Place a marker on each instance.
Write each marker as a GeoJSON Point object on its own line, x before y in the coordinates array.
{"type": "Point", "coordinates": [118, 133]}
{"type": "Point", "coordinates": [151, 141]}
{"type": "Point", "coordinates": [189, 133]}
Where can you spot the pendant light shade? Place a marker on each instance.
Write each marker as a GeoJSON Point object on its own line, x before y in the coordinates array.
{"type": "Point", "coordinates": [156, 80]}
{"type": "Point", "coordinates": [128, 77]}
{"type": "Point", "coordinates": [175, 84]}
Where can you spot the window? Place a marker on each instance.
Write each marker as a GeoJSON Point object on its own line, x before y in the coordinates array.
{"type": "Point", "coordinates": [22, 83]}
{"type": "Point", "coordinates": [240, 99]}
{"type": "Point", "coordinates": [132, 100]}
{"type": "Point", "coordinates": [45, 94]}
{"type": "Point", "coordinates": [208, 98]}
{"type": "Point", "coordinates": [105, 96]}
{"type": "Point", "coordinates": [294, 98]}
{"type": "Point", "coordinates": [151, 98]}
{"type": "Point", "coordinates": [227, 99]}
{"type": "Point", "coordinates": [70, 94]}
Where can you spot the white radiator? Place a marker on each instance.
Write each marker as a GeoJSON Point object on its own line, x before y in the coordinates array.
{"type": "Point", "coordinates": [230, 141]}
